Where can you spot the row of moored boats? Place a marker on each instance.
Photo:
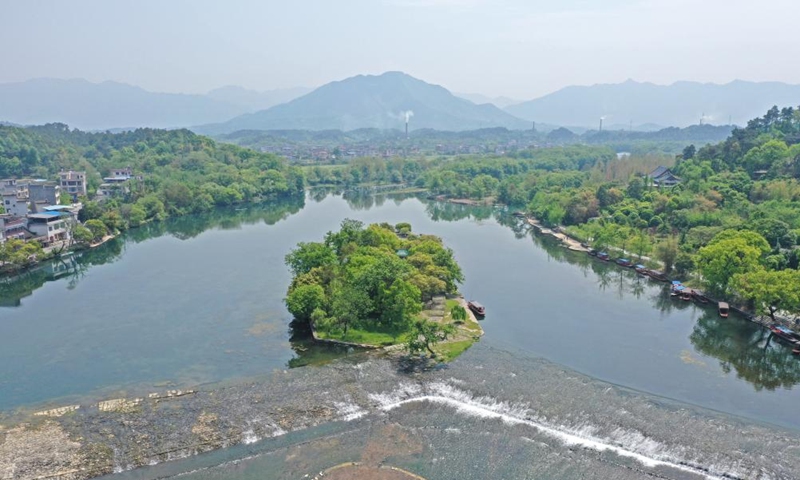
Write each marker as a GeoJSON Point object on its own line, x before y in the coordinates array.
{"type": "Point", "coordinates": [682, 292]}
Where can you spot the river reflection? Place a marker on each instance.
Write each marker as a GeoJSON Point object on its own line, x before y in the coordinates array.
{"type": "Point", "coordinates": [749, 350]}
{"type": "Point", "coordinates": [197, 303]}
{"type": "Point", "coordinates": [74, 267]}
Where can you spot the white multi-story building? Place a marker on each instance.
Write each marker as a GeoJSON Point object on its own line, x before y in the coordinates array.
{"type": "Point", "coordinates": [49, 226]}
{"type": "Point", "coordinates": [73, 183]}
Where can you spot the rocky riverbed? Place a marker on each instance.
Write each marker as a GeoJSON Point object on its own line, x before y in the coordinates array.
{"type": "Point", "coordinates": [490, 414]}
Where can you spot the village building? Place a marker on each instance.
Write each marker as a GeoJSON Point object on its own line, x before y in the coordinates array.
{"type": "Point", "coordinates": [13, 204]}
{"type": "Point", "coordinates": [40, 191]}
{"type": "Point", "coordinates": [117, 185]}
{"type": "Point", "coordinates": [13, 227]}
{"type": "Point", "coordinates": [49, 227]}
{"type": "Point", "coordinates": [73, 183]}
{"type": "Point", "coordinates": [663, 177]}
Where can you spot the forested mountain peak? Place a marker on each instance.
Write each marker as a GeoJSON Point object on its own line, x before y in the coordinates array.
{"type": "Point", "coordinates": [373, 101]}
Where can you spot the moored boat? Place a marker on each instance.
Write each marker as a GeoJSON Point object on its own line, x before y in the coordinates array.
{"type": "Point", "coordinates": [640, 269]}
{"type": "Point", "coordinates": [700, 296]}
{"type": "Point", "coordinates": [723, 308]}
{"type": "Point", "coordinates": [477, 308]}
{"type": "Point", "coordinates": [603, 256]}
{"type": "Point", "coordinates": [785, 334]}
{"type": "Point", "coordinates": [657, 275]}
{"type": "Point", "coordinates": [624, 262]}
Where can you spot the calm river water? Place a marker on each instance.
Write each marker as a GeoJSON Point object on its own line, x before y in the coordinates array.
{"type": "Point", "coordinates": [198, 300]}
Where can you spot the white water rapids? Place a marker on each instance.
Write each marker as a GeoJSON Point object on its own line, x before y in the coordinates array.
{"type": "Point", "coordinates": [632, 445]}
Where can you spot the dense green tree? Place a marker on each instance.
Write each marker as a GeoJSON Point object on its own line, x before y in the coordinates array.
{"type": "Point", "coordinates": [769, 291]}
{"type": "Point", "coordinates": [98, 229]}
{"type": "Point", "coordinates": [15, 253]}
{"type": "Point", "coordinates": [308, 256]}
{"type": "Point", "coordinates": [667, 252]}
{"type": "Point", "coordinates": [729, 254]}
{"type": "Point", "coordinates": [305, 300]}
{"type": "Point", "coordinates": [82, 234]}
{"type": "Point", "coordinates": [425, 335]}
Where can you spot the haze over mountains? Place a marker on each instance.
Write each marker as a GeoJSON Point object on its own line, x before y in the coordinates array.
{"type": "Point", "coordinates": [680, 104]}
{"type": "Point", "coordinates": [369, 101]}
{"type": "Point", "coordinates": [382, 102]}
{"type": "Point", "coordinates": [111, 105]}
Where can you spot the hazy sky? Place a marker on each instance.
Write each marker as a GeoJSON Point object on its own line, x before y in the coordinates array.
{"type": "Point", "coordinates": [517, 48]}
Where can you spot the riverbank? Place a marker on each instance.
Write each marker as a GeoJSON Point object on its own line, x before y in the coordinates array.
{"type": "Point", "coordinates": [437, 310]}
{"type": "Point", "coordinates": [763, 320]}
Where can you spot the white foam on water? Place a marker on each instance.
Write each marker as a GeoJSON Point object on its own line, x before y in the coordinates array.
{"type": "Point", "coordinates": [624, 443]}
{"type": "Point", "coordinates": [349, 411]}
{"type": "Point", "coordinates": [249, 436]}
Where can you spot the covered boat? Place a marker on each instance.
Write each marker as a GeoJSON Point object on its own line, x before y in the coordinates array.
{"type": "Point", "coordinates": [624, 262]}
{"type": "Point", "coordinates": [723, 309]}
{"type": "Point", "coordinates": [477, 308]}
{"type": "Point", "coordinates": [657, 275]}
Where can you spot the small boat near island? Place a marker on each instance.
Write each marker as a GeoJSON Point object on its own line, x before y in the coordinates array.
{"type": "Point", "coordinates": [477, 308]}
{"type": "Point", "coordinates": [724, 309]}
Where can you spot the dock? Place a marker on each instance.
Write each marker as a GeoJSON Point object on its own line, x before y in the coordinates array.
{"type": "Point", "coordinates": [565, 239]}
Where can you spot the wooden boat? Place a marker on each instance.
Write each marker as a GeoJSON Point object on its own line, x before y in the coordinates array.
{"type": "Point", "coordinates": [785, 334]}
{"type": "Point", "coordinates": [700, 296]}
{"type": "Point", "coordinates": [640, 269]}
{"type": "Point", "coordinates": [591, 252]}
{"type": "Point", "coordinates": [680, 291]}
{"type": "Point", "coordinates": [657, 275]}
{"type": "Point", "coordinates": [723, 308]}
{"type": "Point", "coordinates": [477, 308]}
{"type": "Point", "coordinates": [603, 256]}
{"type": "Point", "coordinates": [624, 262]}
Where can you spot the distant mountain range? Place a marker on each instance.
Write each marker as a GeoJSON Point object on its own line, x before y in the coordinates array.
{"type": "Point", "coordinates": [111, 105]}
{"type": "Point", "coordinates": [501, 102]}
{"type": "Point", "coordinates": [253, 101]}
{"type": "Point", "coordinates": [368, 101]}
{"type": "Point", "coordinates": [680, 104]}
{"type": "Point", "coordinates": [383, 101]}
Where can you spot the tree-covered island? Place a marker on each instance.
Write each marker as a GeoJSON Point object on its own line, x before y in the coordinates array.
{"type": "Point", "coordinates": [371, 286]}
